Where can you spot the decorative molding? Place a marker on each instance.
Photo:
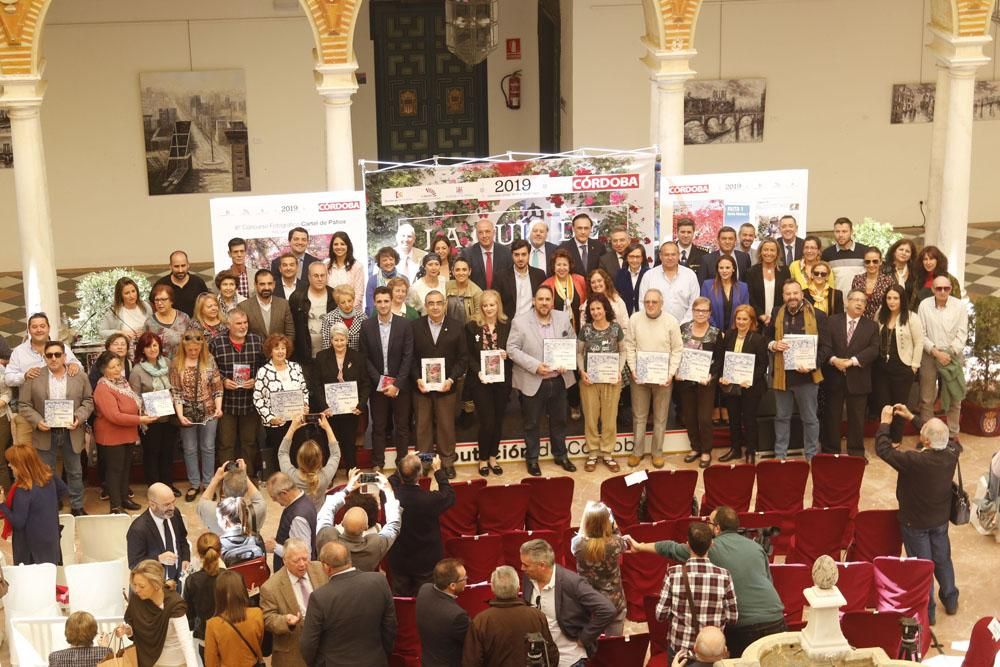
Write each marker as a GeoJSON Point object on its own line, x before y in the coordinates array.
{"type": "Point", "coordinates": [333, 23]}
{"type": "Point", "coordinates": [20, 25]}
{"type": "Point", "coordinates": [670, 24]}
{"type": "Point", "coordinates": [962, 18]}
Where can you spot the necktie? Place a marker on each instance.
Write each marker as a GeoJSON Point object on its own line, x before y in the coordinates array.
{"type": "Point", "coordinates": [168, 545]}
{"type": "Point", "coordinates": [489, 269]}
{"type": "Point", "coordinates": [305, 594]}
{"type": "Point", "coordinates": [536, 258]}
{"type": "Point", "coordinates": [583, 256]}
{"type": "Point", "coordinates": [789, 255]}
{"type": "Point", "coordinates": [621, 262]}
{"type": "Point", "coordinates": [684, 257]}
{"type": "Point", "coordinates": [850, 330]}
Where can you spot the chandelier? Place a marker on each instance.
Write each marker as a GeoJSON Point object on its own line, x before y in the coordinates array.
{"type": "Point", "coordinates": [471, 28]}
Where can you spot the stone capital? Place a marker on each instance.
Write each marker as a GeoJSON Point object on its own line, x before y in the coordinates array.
{"type": "Point", "coordinates": [668, 65]}
{"type": "Point", "coordinates": [337, 82]}
{"type": "Point", "coordinates": [961, 55]}
{"type": "Point", "coordinates": [22, 91]}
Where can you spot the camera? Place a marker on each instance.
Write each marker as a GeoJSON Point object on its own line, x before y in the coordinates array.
{"type": "Point", "coordinates": [426, 457]}
{"type": "Point", "coordinates": [231, 466]}
{"type": "Point", "coordinates": [534, 644]}
{"type": "Point", "coordinates": [909, 645]}
{"type": "Point", "coordinates": [312, 417]}
{"type": "Point", "coordinates": [761, 536]}
{"type": "Point", "coordinates": [368, 478]}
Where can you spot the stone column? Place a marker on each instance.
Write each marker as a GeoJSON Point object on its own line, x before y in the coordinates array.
{"type": "Point", "coordinates": [22, 97]}
{"type": "Point", "coordinates": [336, 84]}
{"type": "Point", "coordinates": [951, 150]}
{"type": "Point", "coordinates": [668, 72]}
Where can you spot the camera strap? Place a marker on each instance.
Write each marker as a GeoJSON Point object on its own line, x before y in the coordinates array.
{"type": "Point", "coordinates": [693, 611]}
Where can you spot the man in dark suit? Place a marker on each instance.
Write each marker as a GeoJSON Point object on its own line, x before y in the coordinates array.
{"type": "Point", "coordinates": [300, 304]}
{"type": "Point", "coordinates": [517, 285]}
{"type": "Point", "coordinates": [541, 248]}
{"type": "Point", "coordinates": [418, 548]}
{"type": "Point", "coordinates": [441, 622]}
{"type": "Point", "coordinates": [266, 314]}
{"type": "Point", "coordinates": [389, 372]}
{"type": "Point", "coordinates": [580, 612]}
{"type": "Point", "coordinates": [584, 251]}
{"type": "Point", "coordinates": [298, 241]}
{"type": "Point", "coordinates": [351, 619]}
{"type": "Point", "coordinates": [287, 280]}
{"type": "Point", "coordinates": [613, 258]}
{"type": "Point", "coordinates": [690, 255]}
{"type": "Point", "coordinates": [855, 343]}
{"type": "Point", "coordinates": [436, 336]}
{"type": "Point", "coordinates": [159, 534]}
{"type": "Point", "coordinates": [789, 245]}
{"type": "Point", "coordinates": [727, 246]}
{"type": "Point", "coordinates": [486, 258]}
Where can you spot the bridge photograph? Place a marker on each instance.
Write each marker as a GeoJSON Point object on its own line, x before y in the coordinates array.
{"type": "Point", "coordinates": [724, 112]}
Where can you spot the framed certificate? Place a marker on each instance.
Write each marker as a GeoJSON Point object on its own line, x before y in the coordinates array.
{"type": "Point", "coordinates": [158, 403]}
{"type": "Point", "coordinates": [652, 367]}
{"type": "Point", "coordinates": [59, 413]}
{"type": "Point", "coordinates": [696, 365]}
{"type": "Point", "coordinates": [491, 366]}
{"type": "Point", "coordinates": [432, 372]}
{"type": "Point", "coordinates": [559, 353]}
{"type": "Point", "coordinates": [241, 373]}
{"type": "Point", "coordinates": [602, 367]}
{"type": "Point", "coordinates": [341, 397]}
{"type": "Point", "coordinates": [738, 367]}
{"type": "Point", "coordinates": [287, 404]}
{"type": "Point", "coordinates": [801, 352]}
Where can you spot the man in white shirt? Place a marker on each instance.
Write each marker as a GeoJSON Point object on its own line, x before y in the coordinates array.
{"type": "Point", "coordinates": [541, 248]}
{"type": "Point", "coordinates": [26, 360]}
{"type": "Point", "coordinates": [846, 257]}
{"type": "Point", "coordinates": [288, 268]}
{"type": "Point", "coordinates": [518, 283]}
{"type": "Point", "coordinates": [946, 330]}
{"type": "Point", "coordinates": [409, 257]}
{"type": "Point", "coordinates": [677, 284]}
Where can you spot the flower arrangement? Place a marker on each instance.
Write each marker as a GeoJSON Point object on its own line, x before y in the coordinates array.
{"type": "Point", "coordinates": [96, 293]}
{"type": "Point", "coordinates": [880, 235]}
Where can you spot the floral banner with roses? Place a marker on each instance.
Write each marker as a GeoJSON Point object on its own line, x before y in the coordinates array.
{"type": "Point", "coordinates": [613, 188]}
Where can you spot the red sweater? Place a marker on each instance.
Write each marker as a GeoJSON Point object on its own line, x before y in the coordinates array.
{"type": "Point", "coordinates": [117, 421]}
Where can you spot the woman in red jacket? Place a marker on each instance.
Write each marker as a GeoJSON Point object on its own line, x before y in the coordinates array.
{"type": "Point", "coordinates": [116, 428]}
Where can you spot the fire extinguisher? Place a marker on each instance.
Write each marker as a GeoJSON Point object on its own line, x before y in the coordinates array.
{"type": "Point", "coordinates": [512, 93]}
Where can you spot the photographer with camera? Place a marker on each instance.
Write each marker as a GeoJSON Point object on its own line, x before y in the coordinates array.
{"type": "Point", "coordinates": [309, 474]}
{"type": "Point", "coordinates": [236, 483]}
{"type": "Point", "coordinates": [367, 548]}
{"type": "Point", "coordinates": [511, 633]}
{"type": "Point", "coordinates": [418, 547]}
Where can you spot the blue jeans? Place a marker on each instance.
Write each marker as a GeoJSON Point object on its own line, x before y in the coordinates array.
{"type": "Point", "coordinates": [195, 440]}
{"type": "Point", "coordinates": [71, 464]}
{"type": "Point", "coordinates": [804, 396]}
{"type": "Point", "coordinates": [549, 399]}
{"type": "Point", "coordinates": [933, 544]}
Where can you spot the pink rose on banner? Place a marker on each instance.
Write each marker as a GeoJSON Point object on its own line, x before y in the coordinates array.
{"type": "Point", "coordinates": [583, 171]}
{"type": "Point", "coordinates": [617, 198]}
{"type": "Point", "coordinates": [557, 200]}
{"type": "Point", "coordinates": [511, 168]}
{"type": "Point", "coordinates": [588, 201]}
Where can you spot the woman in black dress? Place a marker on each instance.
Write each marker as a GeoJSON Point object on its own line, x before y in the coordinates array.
{"type": "Point", "coordinates": [742, 400]}
{"type": "Point", "coordinates": [33, 512]}
{"type": "Point", "coordinates": [488, 330]}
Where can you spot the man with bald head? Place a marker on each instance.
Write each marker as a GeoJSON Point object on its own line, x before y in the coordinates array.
{"type": "Point", "coordinates": [159, 534]}
{"type": "Point", "coordinates": [709, 648]}
{"type": "Point", "coordinates": [367, 547]}
{"type": "Point", "coordinates": [284, 598]}
{"type": "Point", "coordinates": [350, 620]}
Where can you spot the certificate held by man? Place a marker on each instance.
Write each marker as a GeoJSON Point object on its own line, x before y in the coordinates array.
{"type": "Point", "coordinates": [559, 353]}
{"type": "Point", "coordinates": [652, 367]}
{"type": "Point", "coordinates": [801, 352]}
{"type": "Point", "coordinates": [696, 365]}
{"type": "Point", "coordinates": [59, 413]}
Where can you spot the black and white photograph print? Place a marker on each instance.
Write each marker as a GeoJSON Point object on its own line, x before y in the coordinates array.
{"type": "Point", "coordinates": [6, 143]}
{"type": "Point", "coordinates": [987, 101]}
{"type": "Point", "coordinates": [195, 130]}
{"type": "Point", "coordinates": [724, 111]}
{"type": "Point", "coordinates": [912, 103]}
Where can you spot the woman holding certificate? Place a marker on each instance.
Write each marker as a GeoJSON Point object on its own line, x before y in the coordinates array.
{"type": "Point", "coordinates": [570, 288]}
{"type": "Point", "coordinates": [696, 377]}
{"type": "Point", "coordinates": [342, 374]}
{"type": "Point", "coordinates": [196, 385]}
{"type": "Point", "coordinates": [279, 392]}
{"type": "Point", "coordinates": [741, 394]}
{"type": "Point", "coordinates": [116, 429]}
{"type": "Point", "coordinates": [820, 292]}
{"type": "Point", "coordinates": [32, 510]}
{"type": "Point", "coordinates": [600, 356]}
{"type": "Point", "coordinates": [489, 375]}
{"type": "Point", "coordinates": [151, 373]}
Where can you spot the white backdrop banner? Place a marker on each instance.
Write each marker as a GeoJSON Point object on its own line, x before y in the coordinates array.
{"type": "Point", "coordinates": [264, 222]}
{"type": "Point", "coordinates": [714, 201]}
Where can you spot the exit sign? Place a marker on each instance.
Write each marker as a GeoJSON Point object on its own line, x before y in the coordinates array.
{"type": "Point", "coordinates": [514, 48]}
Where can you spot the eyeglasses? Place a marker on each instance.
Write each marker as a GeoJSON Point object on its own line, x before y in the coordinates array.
{"type": "Point", "coordinates": [53, 355]}
{"type": "Point", "coordinates": [873, 261]}
{"type": "Point", "coordinates": [820, 274]}
{"type": "Point", "coordinates": [161, 299]}
{"type": "Point", "coordinates": [197, 338]}
{"type": "Point", "coordinates": [943, 289]}
{"type": "Point", "coordinates": [702, 310]}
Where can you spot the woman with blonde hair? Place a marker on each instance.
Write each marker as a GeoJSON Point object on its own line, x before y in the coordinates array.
{"type": "Point", "coordinates": [347, 313]}
{"type": "Point", "coordinates": [196, 386]}
{"type": "Point", "coordinates": [487, 331]}
{"type": "Point", "coordinates": [32, 510]}
{"type": "Point", "coordinates": [309, 474]}
{"type": "Point", "coordinates": [156, 620]}
{"type": "Point", "coordinates": [128, 313]}
{"type": "Point", "coordinates": [209, 317]}
{"type": "Point", "coordinates": [598, 549]}
{"type": "Point", "coordinates": [233, 637]}
{"type": "Point", "coordinates": [199, 587]}
{"type": "Point", "coordinates": [821, 292]}
{"type": "Point", "coordinates": [400, 290]}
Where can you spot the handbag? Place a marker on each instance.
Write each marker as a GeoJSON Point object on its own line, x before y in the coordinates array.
{"type": "Point", "coordinates": [260, 660]}
{"type": "Point", "coordinates": [126, 656]}
{"type": "Point", "coordinates": [961, 508]}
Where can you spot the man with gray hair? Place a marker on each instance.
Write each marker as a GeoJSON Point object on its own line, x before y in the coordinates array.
{"type": "Point", "coordinates": [946, 331]}
{"type": "Point", "coordinates": [498, 635]}
{"type": "Point", "coordinates": [284, 598]}
{"type": "Point", "coordinates": [581, 614]}
{"type": "Point", "coordinates": [923, 490]}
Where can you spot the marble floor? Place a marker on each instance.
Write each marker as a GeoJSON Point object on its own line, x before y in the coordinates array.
{"type": "Point", "coordinates": [975, 556]}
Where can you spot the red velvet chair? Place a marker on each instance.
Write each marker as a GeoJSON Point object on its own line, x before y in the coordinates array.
{"type": "Point", "coordinates": [642, 573]}
{"type": "Point", "coordinates": [873, 629]}
{"type": "Point", "coordinates": [657, 629]}
{"type": "Point", "coordinates": [670, 493]}
{"type": "Point", "coordinates": [460, 518]}
{"type": "Point", "coordinates": [502, 509]}
{"type": "Point", "coordinates": [481, 554]}
{"type": "Point", "coordinates": [475, 598]}
{"type": "Point", "coordinates": [727, 484]}
{"type": "Point", "coordinates": [629, 651]}
{"type": "Point", "coordinates": [781, 485]}
{"type": "Point", "coordinates": [513, 540]}
{"type": "Point", "coordinates": [982, 646]}
{"type": "Point", "coordinates": [876, 533]}
{"type": "Point", "coordinates": [837, 483]}
{"type": "Point", "coordinates": [904, 585]}
{"type": "Point", "coordinates": [568, 559]}
{"type": "Point", "coordinates": [622, 499]}
{"type": "Point", "coordinates": [789, 581]}
{"type": "Point", "coordinates": [407, 637]}
{"type": "Point", "coordinates": [818, 531]}
{"type": "Point", "coordinates": [857, 584]}
{"type": "Point", "coordinates": [550, 504]}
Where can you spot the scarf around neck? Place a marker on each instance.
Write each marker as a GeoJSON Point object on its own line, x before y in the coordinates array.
{"type": "Point", "coordinates": [120, 386]}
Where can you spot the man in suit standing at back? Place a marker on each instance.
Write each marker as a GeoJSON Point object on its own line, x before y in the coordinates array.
{"type": "Point", "coordinates": [584, 251]}
{"type": "Point", "coordinates": [298, 242]}
{"type": "Point", "coordinates": [441, 622]}
{"type": "Point", "coordinates": [854, 339]}
{"type": "Point", "coordinates": [790, 245]}
{"type": "Point", "coordinates": [486, 258]}
{"type": "Point", "coordinates": [266, 314]}
{"type": "Point", "coordinates": [284, 599]}
{"type": "Point", "coordinates": [517, 285]}
{"type": "Point", "coordinates": [613, 259]}
{"type": "Point", "coordinates": [689, 254]}
{"type": "Point", "coordinates": [351, 619]}
{"type": "Point", "coordinates": [159, 534]}
{"type": "Point", "coordinates": [541, 248]}
{"type": "Point", "coordinates": [726, 239]}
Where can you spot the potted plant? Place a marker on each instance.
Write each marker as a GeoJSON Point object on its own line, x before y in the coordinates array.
{"type": "Point", "coordinates": [981, 407]}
